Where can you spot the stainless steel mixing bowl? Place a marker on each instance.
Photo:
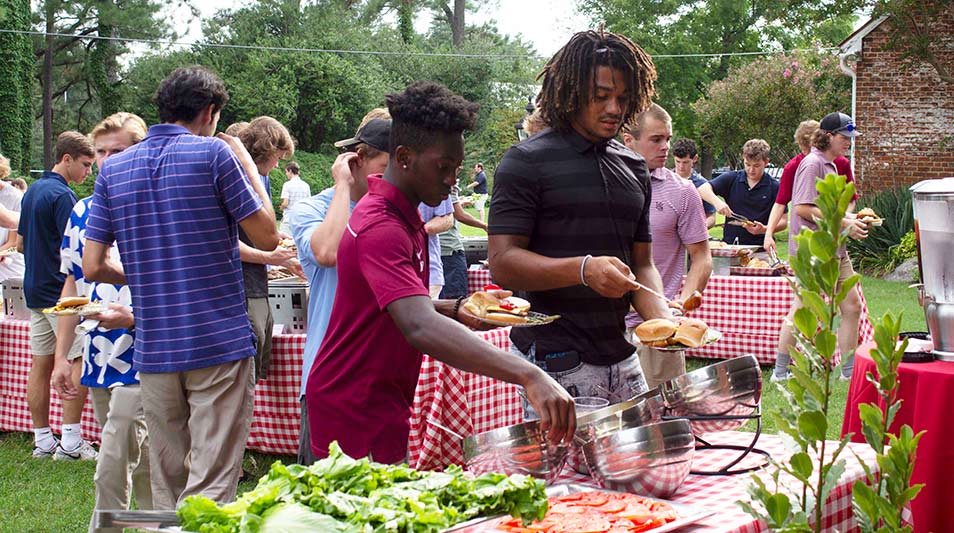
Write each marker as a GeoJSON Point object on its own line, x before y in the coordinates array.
{"type": "Point", "coordinates": [653, 459]}
{"type": "Point", "coordinates": [518, 449]}
{"type": "Point", "coordinates": [728, 388]}
{"type": "Point", "coordinates": [638, 411]}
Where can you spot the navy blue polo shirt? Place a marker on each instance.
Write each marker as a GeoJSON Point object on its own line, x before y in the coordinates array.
{"type": "Point", "coordinates": [45, 210]}
{"type": "Point", "coordinates": [753, 204]}
{"type": "Point", "coordinates": [699, 181]}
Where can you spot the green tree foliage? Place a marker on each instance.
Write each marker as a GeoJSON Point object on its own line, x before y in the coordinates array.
{"type": "Point", "coordinates": [17, 64]}
{"type": "Point", "coordinates": [80, 83]}
{"type": "Point", "coordinates": [767, 98]}
{"type": "Point", "coordinates": [322, 96]}
{"type": "Point", "coordinates": [715, 27]}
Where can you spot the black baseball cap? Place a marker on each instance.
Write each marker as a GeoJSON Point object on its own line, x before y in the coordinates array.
{"type": "Point", "coordinates": [376, 134]}
{"type": "Point", "coordinates": [839, 123]}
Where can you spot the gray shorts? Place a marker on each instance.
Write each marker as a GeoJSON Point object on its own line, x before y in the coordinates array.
{"type": "Point", "coordinates": [616, 383]}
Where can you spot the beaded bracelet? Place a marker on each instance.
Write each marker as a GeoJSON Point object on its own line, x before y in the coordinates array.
{"type": "Point", "coordinates": [460, 299]}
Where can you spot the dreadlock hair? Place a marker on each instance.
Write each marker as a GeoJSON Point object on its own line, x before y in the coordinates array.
{"type": "Point", "coordinates": [426, 112]}
{"type": "Point", "coordinates": [568, 78]}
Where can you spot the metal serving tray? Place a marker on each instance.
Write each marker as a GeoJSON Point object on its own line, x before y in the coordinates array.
{"type": "Point", "coordinates": [689, 514]}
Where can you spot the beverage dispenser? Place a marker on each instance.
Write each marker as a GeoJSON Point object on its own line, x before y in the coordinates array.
{"type": "Point", "coordinates": [934, 227]}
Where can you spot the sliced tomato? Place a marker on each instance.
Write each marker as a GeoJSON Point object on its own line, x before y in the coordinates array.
{"type": "Point", "coordinates": [594, 498]}
{"type": "Point", "coordinates": [583, 523]}
{"type": "Point", "coordinates": [568, 497]}
{"type": "Point", "coordinates": [611, 506]}
{"type": "Point", "coordinates": [492, 287]}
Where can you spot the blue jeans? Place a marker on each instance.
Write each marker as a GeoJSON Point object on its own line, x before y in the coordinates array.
{"type": "Point", "coordinates": [455, 275]}
{"type": "Point", "coordinates": [616, 383]}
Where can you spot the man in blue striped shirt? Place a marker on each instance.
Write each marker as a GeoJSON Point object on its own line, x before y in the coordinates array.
{"type": "Point", "coordinates": [173, 203]}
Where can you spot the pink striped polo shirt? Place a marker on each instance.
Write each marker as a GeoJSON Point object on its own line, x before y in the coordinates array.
{"type": "Point", "coordinates": [677, 218]}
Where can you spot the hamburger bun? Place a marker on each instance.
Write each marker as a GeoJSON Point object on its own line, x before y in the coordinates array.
{"type": "Point", "coordinates": [656, 330]}
{"type": "Point", "coordinates": [505, 318]}
{"type": "Point", "coordinates": [691, 333]}
{"type": "Point", "coordinates": [479, 302]}
{"type": "Point", "coordinates": [867, 213]}
{"type": "Point", "coordinates": [72, 301]}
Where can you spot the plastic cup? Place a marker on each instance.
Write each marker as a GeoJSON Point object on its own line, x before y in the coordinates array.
{"type": "Point", "coordinates": [587, 404]}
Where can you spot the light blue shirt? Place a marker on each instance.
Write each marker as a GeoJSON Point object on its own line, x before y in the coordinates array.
{"type": "Point", "coordinates": [303, 219]}
{"type": "Point", "coordinates": [433, 241]}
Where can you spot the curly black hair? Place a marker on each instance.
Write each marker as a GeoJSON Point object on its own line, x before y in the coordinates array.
{"type": "Point", "coordinates": [425, 112]}
{"type": "Point", "coordinates": [685, 148]}
{"type": "Point", "coordinates": [568, 78]}
{"type": "Point", "coordinates": [187, 91]}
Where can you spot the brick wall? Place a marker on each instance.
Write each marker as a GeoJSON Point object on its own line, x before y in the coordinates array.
{"type": "Point", "coordinates": [905, 113]}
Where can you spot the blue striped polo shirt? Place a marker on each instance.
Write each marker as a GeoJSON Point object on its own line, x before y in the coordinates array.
{"type": "Point", "coordinates": [173, 203]}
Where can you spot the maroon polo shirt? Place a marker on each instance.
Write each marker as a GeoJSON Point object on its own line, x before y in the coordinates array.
{"type": "Point", "coordinates": [361, 387]}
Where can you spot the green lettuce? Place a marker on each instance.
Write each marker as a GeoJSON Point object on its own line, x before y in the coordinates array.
{"type": "Point", "coordinates": [358, 495]}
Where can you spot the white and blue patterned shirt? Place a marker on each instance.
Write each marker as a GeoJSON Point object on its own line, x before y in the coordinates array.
{"type": "Point", "coordinates": [107, 354]}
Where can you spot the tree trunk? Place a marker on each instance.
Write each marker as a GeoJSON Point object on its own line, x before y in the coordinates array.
{"type": "Point", "coordinates": [457, 25]}
{"type": "Point", "coordinates": [46, 79]}
{"type": "Point", "coordinates": [406, 21]}
{"type": "Point", "coordinates": [706, 163]}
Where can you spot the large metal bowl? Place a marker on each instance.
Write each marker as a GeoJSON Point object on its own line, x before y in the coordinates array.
{"type": "Point", "coordinates": [654, 459]}
{"type": "Point", "coordinates": [518, 449]}
{"type": "Point", "coordinates": [730, 388]}
{"type": "Point", "coordinates": [637, 411]}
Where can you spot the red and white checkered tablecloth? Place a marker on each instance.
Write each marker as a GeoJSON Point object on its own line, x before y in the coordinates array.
{"type": "Point", "coordinates": [461, 401]}
{"type": "Point", "coordinates": [719, 493]}
{"type": "Point", "coordinates": [748, 310]}
{"type": "Point", "coordinates": [15, 362]}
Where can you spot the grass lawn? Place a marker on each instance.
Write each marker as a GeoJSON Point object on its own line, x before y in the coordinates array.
{"type": "Point", "coordinates": [37, 495]}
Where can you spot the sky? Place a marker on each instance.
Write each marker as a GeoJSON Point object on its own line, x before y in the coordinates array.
{"type": "Point", "coordinates": [547, 24]}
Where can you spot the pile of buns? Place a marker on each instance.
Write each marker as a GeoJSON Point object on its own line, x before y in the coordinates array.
{"type": "Point", "coordinates": [662, 332]}
{"type": "Point", "coordinates": [486, 306]}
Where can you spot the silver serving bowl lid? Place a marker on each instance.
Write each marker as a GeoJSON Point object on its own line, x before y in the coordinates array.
{"type": "Point", "coordinates": [728, 388]}
{"type": "Point", "coordinates": [517, 449]}
{"type": "Point", "coordinates": [653, 459]}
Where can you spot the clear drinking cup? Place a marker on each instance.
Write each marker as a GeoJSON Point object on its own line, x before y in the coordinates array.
{"type": "Point", "coordinates": [588, 404]}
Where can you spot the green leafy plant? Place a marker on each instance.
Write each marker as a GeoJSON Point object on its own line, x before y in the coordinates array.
{"type": "Point", "coordinates": [803, 417]}
{"type": "Point", "coordinates": [873, 255]}
{"type": "Point", "coordinates": [339, 493]}
{"type": "Point", "coordinates": [879, 500]}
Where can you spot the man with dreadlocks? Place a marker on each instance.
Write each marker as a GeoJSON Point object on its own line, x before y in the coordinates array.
{"type": "Point", "coordinates": [361, 385]}
{"type": "Point", "coordinates": [569, 218]}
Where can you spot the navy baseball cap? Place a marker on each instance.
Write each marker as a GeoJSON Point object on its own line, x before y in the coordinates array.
{"type": "Point", "coordinates": [376, 134]}
{"type": "Point", "coordinates": [839, 123]}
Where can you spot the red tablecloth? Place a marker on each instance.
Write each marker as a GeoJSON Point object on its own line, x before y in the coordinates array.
{"type": "Point", "coordinates": [719, 493]}
{"type": "Point", "coordinates": [748, 310]}
{"type": "Point", "coordinates": [461, 401]}
{"type": "Point", "coordinates": [925, 389]}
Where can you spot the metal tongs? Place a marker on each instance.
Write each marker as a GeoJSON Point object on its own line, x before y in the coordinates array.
{"type": "Point", "coordinates": [692, 302]}
{"type": "Point", "coordinates": [774, 257]}
{"type": "Point", "coordinates": [741, 220]}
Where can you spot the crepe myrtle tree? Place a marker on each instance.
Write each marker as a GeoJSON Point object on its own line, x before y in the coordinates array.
{"type": "Point", "coordinates": [795, 502]}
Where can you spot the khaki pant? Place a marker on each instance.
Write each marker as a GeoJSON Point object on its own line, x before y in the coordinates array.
{"type": "Point", "coordinates": [847, 327]}
{"type": "Point", "coordinates": [660, 366]}
{"type": "Point", "coordinates": [198, 424]}
{"type": "Point", "coordinates": [124, 452]}
{"type": "Point", "coordinates": [260, 316]}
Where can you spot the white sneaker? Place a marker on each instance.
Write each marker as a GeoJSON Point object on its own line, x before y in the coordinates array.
{"type": "Point", "coordinates": [40, 453]}
{"type": "Point", "coordinates": [777, 378]}
{"type": "Point", "coordinates": [83, 452]}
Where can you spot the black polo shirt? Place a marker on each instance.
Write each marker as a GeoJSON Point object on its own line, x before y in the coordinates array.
{"type": "Point", "coordinates": [573, 198]}
{"type": "Point", "coordinates": [754, 204]}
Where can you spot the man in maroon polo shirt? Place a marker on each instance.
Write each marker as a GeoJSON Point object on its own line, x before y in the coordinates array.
{"type": "Point", "coordinates": [361, 387]}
